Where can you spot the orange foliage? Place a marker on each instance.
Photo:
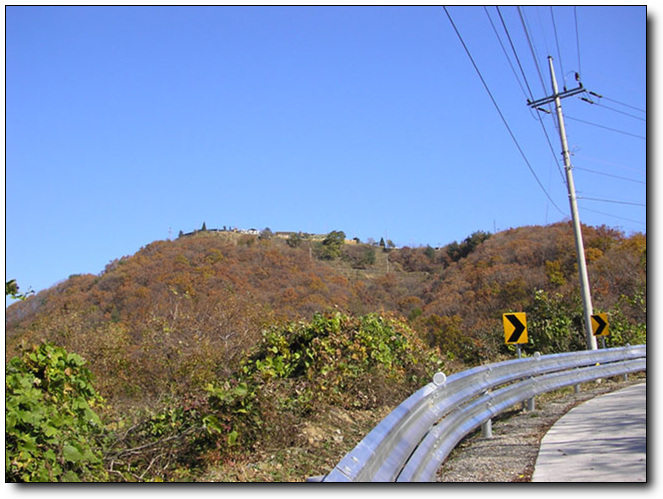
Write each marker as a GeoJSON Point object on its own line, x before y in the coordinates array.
{"type": "Point", "coordinates": [180, 313]}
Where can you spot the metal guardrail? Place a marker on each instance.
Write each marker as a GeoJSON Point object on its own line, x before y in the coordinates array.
{"type": "Point", "coordinates": [411, 443]}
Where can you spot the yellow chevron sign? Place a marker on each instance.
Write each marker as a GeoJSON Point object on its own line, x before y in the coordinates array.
{"type": "Point", "coordinates": [600, 325]}
{"type": "Point", "coordinates": [515, 328]}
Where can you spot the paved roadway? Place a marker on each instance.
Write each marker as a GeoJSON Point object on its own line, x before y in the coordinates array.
{"type": "Point", "coordinates": [602, 440]}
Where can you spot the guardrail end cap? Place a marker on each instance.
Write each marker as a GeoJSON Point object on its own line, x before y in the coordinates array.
{"type": "Point", "coordinates": [439, 378]}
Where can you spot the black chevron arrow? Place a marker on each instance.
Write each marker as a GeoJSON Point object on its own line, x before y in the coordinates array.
{"type": "Point", "coordinates": [602, 324]}
{"type": "Point", "coordinates": [519, 328]}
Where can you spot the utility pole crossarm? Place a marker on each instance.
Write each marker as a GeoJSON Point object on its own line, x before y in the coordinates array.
{"type": "Point", "coordinates": [548, 100]}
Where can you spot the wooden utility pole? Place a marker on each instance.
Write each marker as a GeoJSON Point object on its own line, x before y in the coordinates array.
{"type": "Point", "coordinates": [557, 97]}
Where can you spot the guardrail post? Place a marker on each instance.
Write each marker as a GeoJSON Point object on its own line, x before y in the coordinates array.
{"type": "Point", "coordinates": [529, 405]}
{"type": "Point", "coordinates": [487, 426]}
{"type": "Point", "coordinates": [487, 429]}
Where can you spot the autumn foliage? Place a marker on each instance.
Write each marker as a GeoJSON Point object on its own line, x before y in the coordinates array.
{"type": "Point", "coordinates": [179, 313]}
{"type": "Point", "coordinates": [221, 339]}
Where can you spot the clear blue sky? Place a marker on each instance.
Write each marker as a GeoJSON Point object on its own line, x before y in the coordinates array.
{"type": "Point", "coordinates": [125, 125]}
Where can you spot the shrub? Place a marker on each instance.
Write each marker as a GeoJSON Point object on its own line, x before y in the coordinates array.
{"type": "Point", "coordinates": [334, 354]}
{"type": "Point", "coordinates": [52, 433]}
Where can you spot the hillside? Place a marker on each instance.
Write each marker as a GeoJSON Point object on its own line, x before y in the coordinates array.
{"type": "Point", "coordinates": [204, 298]}
{"type": "Point", "coordinates": [216, 349]}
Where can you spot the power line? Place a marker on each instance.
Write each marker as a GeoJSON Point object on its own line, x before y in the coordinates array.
{"type": "Point", "coordinates": [600, 104]}
{"type": "Point", "coordinates": [610, 175]}
{"type": "Point", "coordinates": [498, 109]}
{"type": "Point", "coordinates": [513, 48]}
{"type": "Point", "coordinates": [545, 132]}
{"type": "Point", "coordinates": [605, 127]}
{"type": "Point", "coordinates": [543, 29]}
{"type": "Point", "coordinates": [506, 55]}
{"type": "Point", "coordinates": [618, 111]}
{"type": "Point", "coordinates": [615, 216]}
{"type": "Point", "coordinates": [611, 163]}
{"type": "Point", "coordinates": [531, 47]}
{"type": "Point", "coordinates": [575, 15]}
{"type": "Point", "coordinates": [622, 104]}
{"type": "Point", "coordinates": [612, 201]}
{"type": "Point", "coordinates": [536, 63]}
{"type": "Point", "coordinates": [554, 25]}
{"type": "Point", "coordinates": [559, 52]}
{"type": "Point", "coordinates": [552, 150]}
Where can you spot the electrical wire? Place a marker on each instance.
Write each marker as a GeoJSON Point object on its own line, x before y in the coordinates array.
{"type": "Point", "coordinates": [483, 81]}
{"type": "Point", "coordinates": [531, 47]}
{"type": "Point", "coordinates": [545, 132]}
{"type": "Point", "coordinates": [533, 50]}
{"type": "Point", "coordinates": [626, 105]}
{"type": "Point", "coordinates": [506, 55]}
{"type": "Point", "coordinates": [552, 150]}
{"type": "Point", "coordinates": [559, 52]}
{"type": "Point", "coordinates": [513, 49]}
{"type": "Point", "coordinates": [609, 175]}
{"type": "Point", "coordinates": [611, 163]}
{"type": "Point", "coordinates": [605, 127]}
{"type": "Point", "coordinates": [534, 56]}
{"type": "Point", "coordinates": [618, 111]}
{"type": "Point", "coordinates": [614, 216]}
{"type": "Point", "coordinates": [575, 15]}
{"type": "Point", "coordinates": [531, 96]}
{"type": "Point", "coordinates": [543, 29]}
{"type": "Point", "coordinates": [612, 201]}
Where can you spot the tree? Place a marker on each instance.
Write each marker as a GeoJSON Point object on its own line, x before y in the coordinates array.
{"type": "Point", "coordinates": [332, 245]}
{"type": "Point", "coordinates": [11, 290]}
{"type": "Point", "coordinates": [294, 240]}
{"type": "Point", "coordinates": [457, 251]}
{"type": "Point", "coordinates": [557, 322]}
{"type": "Point", "coordinates": [359, 256]}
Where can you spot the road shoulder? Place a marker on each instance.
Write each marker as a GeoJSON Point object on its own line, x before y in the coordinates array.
{"type": "Point", "coordinates": [512, 452]}
{"type": "Point", "coordinates": [602, 440]}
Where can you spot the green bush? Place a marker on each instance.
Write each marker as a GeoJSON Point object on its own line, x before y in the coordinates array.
{"type": "Point", "coordinates": [555, 324]}
{"type": "Point", "coordinates": [52, 433]}
{"type": "Point", "coordinates": [623, 320]}
{"type": "Point", "coordinates": [335, 354]}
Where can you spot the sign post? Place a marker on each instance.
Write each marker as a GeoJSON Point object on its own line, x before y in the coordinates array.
{"type": "Point", "coordinates": [515, 333]}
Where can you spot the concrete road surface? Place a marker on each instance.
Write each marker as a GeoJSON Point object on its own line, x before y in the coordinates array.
{"type": "Point", "coordinates": [601, 440]}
